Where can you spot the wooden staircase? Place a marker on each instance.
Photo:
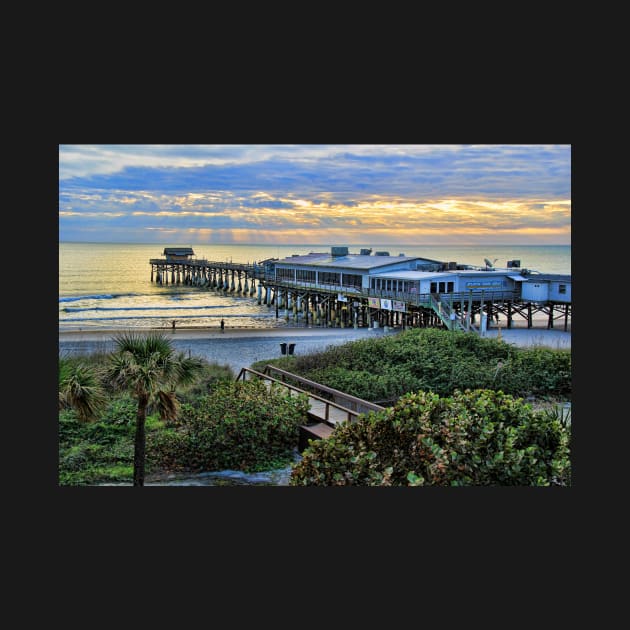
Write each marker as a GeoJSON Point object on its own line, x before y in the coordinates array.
{"type": "Point", "coordinates": [323, 414]}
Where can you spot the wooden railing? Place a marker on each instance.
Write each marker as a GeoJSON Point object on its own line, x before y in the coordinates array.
{"type": "Point", "coordinates": [342, 413]}
{"type": "Point", "coordinates": [350, 402]}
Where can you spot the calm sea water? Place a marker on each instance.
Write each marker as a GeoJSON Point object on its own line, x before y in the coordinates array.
{"type": "Point", "coordinates": [108, 285]}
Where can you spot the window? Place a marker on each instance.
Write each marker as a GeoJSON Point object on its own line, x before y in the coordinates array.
{"type": "Point", "coordinates": [328, 277]}
{"type": "Point", "coordinates": [450, 287]}
{"type": "Point", "coordinates": [351, 280]}
{"type": "Point", "coordinates": [304, 275]}
{"type": "Point", "coordinates": [285, 274]}
{"type": "Point", "coordinates": [562, 288]}
{"type": "Point", "coordinates": [434, 287]}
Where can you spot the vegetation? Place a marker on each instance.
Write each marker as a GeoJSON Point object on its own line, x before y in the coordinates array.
{"type": "Point", "coordinates": [428, 359]}
{"type": "Point", "coordinates": [479, 437]}
{"type": "Point", "coordinates": [219, 424]}
{"type": "Point", "coordinates": [80, 389]}
{"type": "Point", "coordinates": [241, 425]}
{"type": "Point", "coordinates": [148, 367]}
{"type": "Point", "coordinates": [458, 415]}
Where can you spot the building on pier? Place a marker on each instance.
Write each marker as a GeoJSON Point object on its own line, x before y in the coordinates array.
{"type": "Point", "coordinates": [400, 289]}
{"type": "Point", "coordinates": [341, 289]}
{"type": "Point", "coordinates": [545, 287]}
{"type": "Point", "coordinates": [178, 254]}
{"type": "Point", "coordinates": [346, 271]}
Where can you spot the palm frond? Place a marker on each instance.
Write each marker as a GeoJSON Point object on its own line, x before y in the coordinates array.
{"type": "Point", "coordinates": [79, 388]}
{"type": "Point", "coordinates": [143, 345]}
{"type": "Point", "coordinates": [166, 404]}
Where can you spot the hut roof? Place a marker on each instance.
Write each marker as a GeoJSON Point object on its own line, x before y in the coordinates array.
{"type": "Point", "coordinates": [178, 251]}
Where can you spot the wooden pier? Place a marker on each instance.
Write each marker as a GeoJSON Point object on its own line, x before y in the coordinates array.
{"type": "Point", "coordinates": [303, 303]}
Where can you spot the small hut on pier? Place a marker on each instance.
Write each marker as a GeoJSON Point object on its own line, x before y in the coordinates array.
{"type": "Point", "coordinates": [178, 254]}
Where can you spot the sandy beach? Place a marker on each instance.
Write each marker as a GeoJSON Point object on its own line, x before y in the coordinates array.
{"type": "Point", "coordinates": [240, 347]}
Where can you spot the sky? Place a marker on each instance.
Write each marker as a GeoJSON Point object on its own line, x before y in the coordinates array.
{"type": "Point", "coordinates": [361, 194]}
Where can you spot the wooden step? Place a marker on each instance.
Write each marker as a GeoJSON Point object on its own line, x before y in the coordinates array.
{"type": "Point", "coordinates": [317, 431]}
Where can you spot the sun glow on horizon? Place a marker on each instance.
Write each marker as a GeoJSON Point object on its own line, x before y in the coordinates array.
{"type": "Point", "coordinates": [353, 193]}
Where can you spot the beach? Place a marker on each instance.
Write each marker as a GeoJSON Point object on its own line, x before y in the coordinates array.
{"type": "Point", "coordinates": [240, 347]}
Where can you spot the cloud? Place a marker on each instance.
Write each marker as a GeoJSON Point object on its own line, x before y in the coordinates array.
{"type": "Point", "coordinates": [280, 191]}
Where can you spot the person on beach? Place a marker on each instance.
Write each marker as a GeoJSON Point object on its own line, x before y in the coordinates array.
{"type": "Point", "coordinates": [222, 325]}
{"type": "Point", "coordinates": [173, 325]}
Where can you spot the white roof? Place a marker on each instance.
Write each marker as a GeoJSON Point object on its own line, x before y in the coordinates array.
{"type": "Point", "coordinates": [351, 261]}
{"type": "Point", "coordinates": [405, 274]}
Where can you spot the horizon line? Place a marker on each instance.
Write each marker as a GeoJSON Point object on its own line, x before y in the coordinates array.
{"type": "Point", "coordinates": [326, 244]}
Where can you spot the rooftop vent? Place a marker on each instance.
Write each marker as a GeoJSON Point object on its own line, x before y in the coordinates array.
{"type": "Point", "coordinates": [338, 251]}
{"type": "Point", "coordinates": [366, 252]}
{"type": "Point", "coordinates": [381, 253]}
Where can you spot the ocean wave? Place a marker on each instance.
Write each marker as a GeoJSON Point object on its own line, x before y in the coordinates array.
{"type": "Point", "coordinates": [102, 296]}
{"type": "Point", "coordinates": [78, 309]}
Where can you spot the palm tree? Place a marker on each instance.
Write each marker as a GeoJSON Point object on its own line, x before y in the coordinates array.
{"type": "Point", "coordinates": [80, 389]}
{"type": "Point", "coordinates": [147, 366]}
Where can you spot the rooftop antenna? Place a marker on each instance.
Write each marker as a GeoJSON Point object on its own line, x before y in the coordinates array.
{"type": "Point", "coordinates": [489, 264]}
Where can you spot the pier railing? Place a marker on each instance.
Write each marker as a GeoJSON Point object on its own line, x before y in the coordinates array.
{"type": "Point", "coordinates": [348, 400]}
{"type": "Point", "coordinates": [251, 268]}
{"type": "Point", "coordinates": [328, 411]}
{"type": "Point", "coordinates": [410, 297]}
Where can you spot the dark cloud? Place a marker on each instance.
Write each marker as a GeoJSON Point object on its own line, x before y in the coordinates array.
{"type": "Point", "coordinates": [236, 186]}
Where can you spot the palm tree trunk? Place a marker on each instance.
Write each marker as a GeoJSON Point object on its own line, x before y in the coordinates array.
{"type": "Point", "coordinates": [139, 443]}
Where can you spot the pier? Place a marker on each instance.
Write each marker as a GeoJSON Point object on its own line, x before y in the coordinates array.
{"type": "Point", "coordinates": [382, 291]}
{"type": "Point", "coordinates": [179, 267]}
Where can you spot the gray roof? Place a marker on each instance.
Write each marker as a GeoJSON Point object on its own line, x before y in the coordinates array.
{"type": "Point", "coordinates": [410, 274]}
{"type": "Point", "coordinates": [550, 277]}
{"type": "Point", "coordinates": [178, 251]}
{"type": "Point", "coordinates": [351, 261]}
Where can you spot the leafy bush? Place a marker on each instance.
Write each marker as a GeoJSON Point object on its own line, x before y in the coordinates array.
{"type": "Point", "coordinates": [432, 359]}
{"type": "Point", "coordinates": [479, 437]}
{"type": "Point", "coordinates": [211, 375]}
{"type": "Point", "coordinates": [94, 452]}
{"type": "Point", "coordinates": [121, 409]}
{"type": "Point", "coordinates": [240, 425]}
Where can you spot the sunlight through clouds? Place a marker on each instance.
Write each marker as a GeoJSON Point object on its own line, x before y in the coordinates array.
{"type": "Point", "coordinates": [348, 194]}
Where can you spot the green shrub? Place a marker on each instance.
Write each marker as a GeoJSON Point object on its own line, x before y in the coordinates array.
{"type": "Point", "coordinates": [121, 409]}
{"type": "Point", "coordinates": [210, 376]}
{"type": "Point", "coordinates": [441, 361]}
{"type": "Point", "coordinates": [240, 425]}
{"type": "Point", "coordinates": [479, 437]}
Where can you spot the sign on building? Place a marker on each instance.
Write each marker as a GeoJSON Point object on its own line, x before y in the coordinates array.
{"type": "Point", "coordinates": [386, 304]}
{"type": "Point", "coordinates": [398, 306]}
{"type": "Point", "coordinates": [374, 302]}
{"type": "Point", "coordinates": [483, 284]}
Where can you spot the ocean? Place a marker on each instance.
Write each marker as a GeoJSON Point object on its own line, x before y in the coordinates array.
{"type": "Point", "coordinates": [107, 286]}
